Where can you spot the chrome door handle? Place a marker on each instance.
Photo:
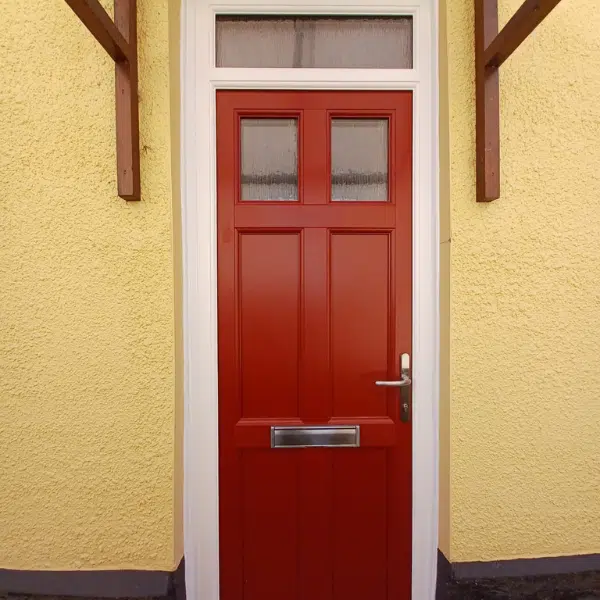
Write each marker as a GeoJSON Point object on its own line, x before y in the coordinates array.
{"type": "Point", "coordinates": [405, 381]}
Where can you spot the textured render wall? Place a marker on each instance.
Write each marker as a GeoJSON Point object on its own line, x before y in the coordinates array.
{"type": "Point", "coordinates": [525, 299]}
{"type": "Point", "coordinates": [87, 395]}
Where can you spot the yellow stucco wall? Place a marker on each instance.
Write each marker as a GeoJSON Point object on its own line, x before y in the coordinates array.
{"type": "Point", "coordinates": [88, 402]}
{"type": "Point", "coordinates": [525, 297]}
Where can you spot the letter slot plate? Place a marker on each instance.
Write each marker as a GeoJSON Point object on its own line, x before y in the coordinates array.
{"type": "Point", "coordinates": [336, 436]}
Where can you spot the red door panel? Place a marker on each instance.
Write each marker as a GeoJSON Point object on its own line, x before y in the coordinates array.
{"type": "Point", "coordinates": [314, 304]}
{"type": "Point", "coordinates": [315, 513]}
{"type": "Point", "coordinates": [361, 323]}
{"type": "Point", "coordinates": [269, 321]}
{"type": "Point", "coordinates": [360, 524]}
{"type": "Point", "coordinates": [269, 525]}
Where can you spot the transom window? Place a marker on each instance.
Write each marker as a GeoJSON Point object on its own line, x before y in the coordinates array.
{"type": "Point", "coordinates": [359, 42]}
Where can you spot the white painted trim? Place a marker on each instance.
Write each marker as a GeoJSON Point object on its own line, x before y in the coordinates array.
{"type": "Point", "coordinates": [200, 79]}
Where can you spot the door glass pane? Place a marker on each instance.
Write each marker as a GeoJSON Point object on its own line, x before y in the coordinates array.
{"type": "Point", "coordinates": [321, 42]}
{"type": "Point", "coordinates": [359, 159]}
{"type": "Point", "coordinates": [269, 159]}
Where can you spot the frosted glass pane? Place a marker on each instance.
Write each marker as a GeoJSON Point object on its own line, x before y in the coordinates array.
{"type": "Point", "coordinates": [269, 159]}
{"type": "Point", "coordinates": [320, 42]}
{"type": "Point", "coordinates": [359, 159]}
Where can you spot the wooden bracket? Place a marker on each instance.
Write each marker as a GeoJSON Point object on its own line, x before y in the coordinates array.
{"type": "Point", "coordinates": [119, 39]}
{"type": "Point", "coordinates": [491, 50]}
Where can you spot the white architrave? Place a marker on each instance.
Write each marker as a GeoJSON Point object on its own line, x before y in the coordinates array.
{"type": "Point", "coordinates": [200, 80]}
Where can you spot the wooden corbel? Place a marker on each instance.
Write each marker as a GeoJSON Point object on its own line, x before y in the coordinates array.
{"type": "Point", "coordinates": [491, 50]}
{"type": "Point", "coordinates": [119, 39]}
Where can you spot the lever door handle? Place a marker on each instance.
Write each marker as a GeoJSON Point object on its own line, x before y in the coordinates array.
{"type": "Point", "coordinates": [404, 382]}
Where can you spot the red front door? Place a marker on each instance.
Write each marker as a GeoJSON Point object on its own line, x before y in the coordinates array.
{"type": "Point", "coordinates": [314, 293]}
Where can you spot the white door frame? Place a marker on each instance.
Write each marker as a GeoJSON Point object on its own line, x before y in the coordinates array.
{"type": "Point", "coordinates": [199, 82]}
